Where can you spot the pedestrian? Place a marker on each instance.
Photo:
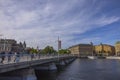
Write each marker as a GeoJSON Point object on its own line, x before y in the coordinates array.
{"type": "Point", "coordinates": [2, 57]}
{"type": "Point", "coordinates": [15, 56]}
{"type": "Point", "coordinates": [9, 56]}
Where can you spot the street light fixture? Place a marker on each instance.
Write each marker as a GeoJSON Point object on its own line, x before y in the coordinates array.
{"type": "Point", "coordinates": [0, 39]}
{"type": "Point", "coordinates": [59, 46]}
{"type": "Point", "coordinates": [4, 45]}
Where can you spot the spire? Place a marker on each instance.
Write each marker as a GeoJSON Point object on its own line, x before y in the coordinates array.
{"type": "Point", "coordinates": [24, 44]}
{"type": "Point", "coordinates": [91, 43]}
{"type": "Point", "coordinates": [59, 43]}
{"type": "Point", "coordinates": [20, 43]}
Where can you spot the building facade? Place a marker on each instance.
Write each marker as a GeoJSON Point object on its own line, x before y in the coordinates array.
{"type": "Point", "coordinates": [117, 48]}
{"type": "Point", "coordinates": [104, 50]}
{"type": "Point", "coordinates": [59, 44]}
{"type": "Point", "coordinates": [10, 45]}
{"type": "Point", "coordinates": [74, 49]}
{"type": "Point", "coordinates": [82, 49]}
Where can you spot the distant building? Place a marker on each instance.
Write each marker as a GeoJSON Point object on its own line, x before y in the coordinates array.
{"type": "Point", "coordinates": [117, 48]}
{"type": "Point", "coordinates": [8, 45]}
{"type": "Point", "coordinates": [82, 49]}
{"type": "Point", "coordinates": [59, 44]}
{"type": "Point", "coordinates": [104, 49]}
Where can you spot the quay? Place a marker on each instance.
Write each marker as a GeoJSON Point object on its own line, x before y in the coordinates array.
{"type": "Point", "coordinates": [99, 57]}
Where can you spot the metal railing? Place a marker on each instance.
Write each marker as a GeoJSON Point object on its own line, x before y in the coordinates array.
{"type": "Point", "coordinates": [16, 58]}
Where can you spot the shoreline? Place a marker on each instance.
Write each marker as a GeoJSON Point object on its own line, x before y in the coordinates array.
{"type": "Point", "coordinates": [100, 57]}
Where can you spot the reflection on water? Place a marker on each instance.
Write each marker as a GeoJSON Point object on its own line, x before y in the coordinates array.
{"type": "Point", "coordinates": [85, 69]}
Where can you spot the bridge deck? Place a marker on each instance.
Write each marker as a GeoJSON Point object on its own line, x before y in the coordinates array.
{"type": "Point", "coordinates": [25, 61]}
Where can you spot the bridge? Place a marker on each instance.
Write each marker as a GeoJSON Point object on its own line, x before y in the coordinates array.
{"type": "Point", "coordinates": [23, 66]}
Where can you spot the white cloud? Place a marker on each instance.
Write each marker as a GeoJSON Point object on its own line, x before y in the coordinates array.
{"type": "Point", "coordinates": [107, 20]}
{"type": "Point", "coordinates": [41, 23]}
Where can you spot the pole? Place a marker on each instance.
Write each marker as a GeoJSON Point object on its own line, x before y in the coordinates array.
{"type": "Point", "coordinates": [4, 43]}
{"type": "Point", "coordinates": [58, 47]}
{"type": "Point", "coordinates": [0, 40]}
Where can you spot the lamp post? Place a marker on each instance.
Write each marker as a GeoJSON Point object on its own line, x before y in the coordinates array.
{"type": "Point", "coordinates": [59, 46]}
{"type": "Point", "coordinates": [4, 44]}
{"type": "Point", "coordinates": [0, 39]}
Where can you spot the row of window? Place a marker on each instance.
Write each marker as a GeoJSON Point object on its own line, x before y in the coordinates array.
{"type": "Point", "coordinates": [6, 48]}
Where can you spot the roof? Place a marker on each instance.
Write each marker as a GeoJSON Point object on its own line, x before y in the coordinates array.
{"type": "Point", "coordinates": [80, 45]}
{"type": "Point", "coordinates": [104, 45]}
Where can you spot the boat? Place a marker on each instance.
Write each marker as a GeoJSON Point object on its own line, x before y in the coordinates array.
{"type": "Point", "coordinates": [92, 57]}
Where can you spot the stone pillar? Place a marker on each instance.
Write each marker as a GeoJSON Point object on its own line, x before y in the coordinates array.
{"type": "Point", "coordinates": [24, 74]}
{"type": "Point", "coordinates": [52, 66]}
{"type": "Point", "coordinates": [66, 62]}
{"type": "Point", "coordinates": [46, 67]}
{"type": "Point", "coordinates": [60, 65]}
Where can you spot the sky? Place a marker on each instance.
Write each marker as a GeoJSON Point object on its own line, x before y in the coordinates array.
{"type": "Point", "coordinates": [40, 22]}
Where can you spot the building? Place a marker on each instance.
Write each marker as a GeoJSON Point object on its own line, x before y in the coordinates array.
{"type": "Point", "coordinates": [104, 49]}
{"type": "Point", "coordinates": [117, 48]}
{"type": "Point", "coordinates": [9, 45]}
{"type": "Point", "coordinates": [82, 49]}
{"type": "Point", "coordinates": [74, 49]}
{"type": "Point", "coordinates": [59, 44]}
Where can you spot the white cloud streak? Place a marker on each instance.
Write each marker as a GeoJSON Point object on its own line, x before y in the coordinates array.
{"type": "Point", "coordinates": [40, 22]}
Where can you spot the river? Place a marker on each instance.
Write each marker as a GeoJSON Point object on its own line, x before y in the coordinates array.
{"type": "Point", "coordinates": [85, 69]}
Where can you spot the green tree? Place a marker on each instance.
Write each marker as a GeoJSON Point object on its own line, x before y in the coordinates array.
{"type": "Point", "coordinates": [64, 51]}
{"type": "Point", "coordinates": [32, 50]}
{"type": "Point", "coordinates": [118, 42]}
{"type": "Point", "coordinates": [48, 50]}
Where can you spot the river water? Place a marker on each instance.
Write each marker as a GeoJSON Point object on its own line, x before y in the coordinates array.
{"type": "Point", "coordinates": [86, 69]}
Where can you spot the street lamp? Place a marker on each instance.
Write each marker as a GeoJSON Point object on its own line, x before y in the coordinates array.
{"type": "Point", "coordinates": [4, 45]}
{"type": "Point", "coordinates": [1, 40]}
{"type": "Point", "coordinates": [58, 47]}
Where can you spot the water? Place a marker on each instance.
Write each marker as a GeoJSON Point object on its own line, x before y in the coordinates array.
{"type": "Point", "coordinates": [86, 69]}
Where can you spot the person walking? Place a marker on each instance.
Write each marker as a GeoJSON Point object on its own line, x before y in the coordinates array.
{"type": "Point", "coordinates": [9, 56]}
{"type": "Point", "coordinates": [2, 57]}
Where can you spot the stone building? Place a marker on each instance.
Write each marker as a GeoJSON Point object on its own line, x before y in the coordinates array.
{"type": "Point", "coordinates": [74, 49]}
{"type": "Point", "coordinates": [117, 48]}
{"type": "Point", "coordinates": [104, 49]}
{"type": "Point", "coordinates": [82, 49]}
{"type": "Point", "coordinates": [8, 45]}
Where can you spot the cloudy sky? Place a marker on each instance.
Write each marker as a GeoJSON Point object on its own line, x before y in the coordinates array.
{"type": "Point", "coordinates": [40, 22]}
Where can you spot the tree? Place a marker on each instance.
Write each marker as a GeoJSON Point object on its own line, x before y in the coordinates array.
{"type": "Point", "coordinates": [48, 50]}
{"type": "Point", "coordinates": [64, 51]}
{"type": "Point", "coordinates": [118, 42]}
{"type": "Point", "coordinates": [33, 50]}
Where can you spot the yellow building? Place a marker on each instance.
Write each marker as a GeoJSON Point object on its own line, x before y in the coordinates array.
{"type": "Point", "coordinates": [74, 49]}
{"type": "Point", "coordinates": [82, 49]}
{"type": "Point", "coordinates": [104, 49]}
{"type": "Point", "coordinates": [117, 48]}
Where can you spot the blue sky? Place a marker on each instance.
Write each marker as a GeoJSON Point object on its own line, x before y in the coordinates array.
{"type": "Point", "coordinates": [40, 22]}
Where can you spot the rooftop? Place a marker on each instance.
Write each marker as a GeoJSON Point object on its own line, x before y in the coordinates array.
{"type": "Point", "coordinates": [81, 45]}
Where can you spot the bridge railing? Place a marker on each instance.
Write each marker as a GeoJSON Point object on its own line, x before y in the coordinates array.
{"type": "Point", "coordinates": [15, 58]}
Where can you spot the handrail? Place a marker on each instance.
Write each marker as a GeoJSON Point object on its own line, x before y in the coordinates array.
{"type": "Point", "coordinates": [16, 58]}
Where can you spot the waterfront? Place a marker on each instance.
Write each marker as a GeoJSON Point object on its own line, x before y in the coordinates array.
{"type": "Point", "coordinates": [86, 69]}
